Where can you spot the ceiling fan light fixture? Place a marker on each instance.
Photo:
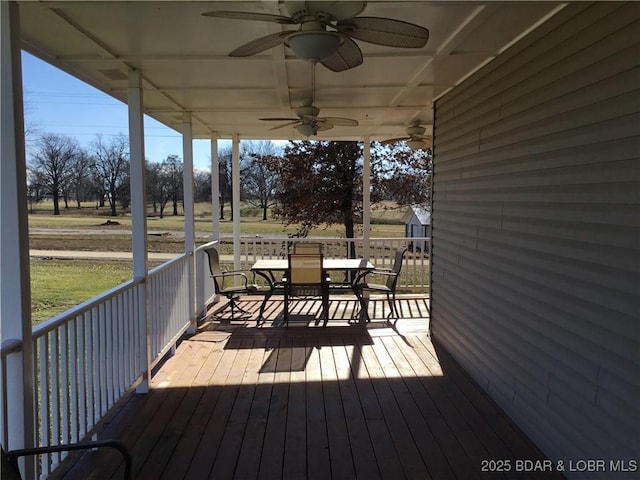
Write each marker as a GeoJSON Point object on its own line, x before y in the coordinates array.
{"type": "Point", "coordinates": [314, 46]}
{"type": "Point", "coordinates": [415, 144]}
{"type": "Point", "coordinates": [306, 129]}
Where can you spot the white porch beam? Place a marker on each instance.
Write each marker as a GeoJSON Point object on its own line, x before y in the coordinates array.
{"type": "Point", "coordinates": [187, 178]}
{"type": "Point", "coordinates": [235, 182]}
{"type": "Point", "coordinates": [215, 188]}
{"type": "Point", "coordinates": [15, 290]}
{"type": "Point", "coordinates": [189, 222]}
{"type": "Point", "coordinates": [366, 196]}
{"type": "Point", "coordinates": [138, 190]}
{"type": "Point", "coordinates": [139, 212]}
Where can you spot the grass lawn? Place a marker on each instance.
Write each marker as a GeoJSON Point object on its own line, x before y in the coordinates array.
{"type": "Point", "coordinates": [57, 285]}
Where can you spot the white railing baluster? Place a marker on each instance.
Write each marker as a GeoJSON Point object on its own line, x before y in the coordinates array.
{"type": "Point", "coordinates": [122, 353]}
{"type": "Point", "coordinates": [65, 383]}
{"type": "Point", "coordinates": [55, 391]}
{"type": "Point", "coordinates": [44, 439]}
{"type": "Point", "coordinates": [73, 381]}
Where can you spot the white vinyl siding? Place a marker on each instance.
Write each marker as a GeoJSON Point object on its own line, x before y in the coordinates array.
{"type": "Point", "coordinates": [536, 231]}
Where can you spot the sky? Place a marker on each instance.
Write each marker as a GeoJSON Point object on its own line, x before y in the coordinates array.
{"type": "Point", "coordinates": [56, 102]}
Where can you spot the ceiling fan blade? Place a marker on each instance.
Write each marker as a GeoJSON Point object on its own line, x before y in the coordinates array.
{"type": "Point", "coordinates": [321, 126]}
{"type": "Point", "coordinates": [264, 17]}
{"type": "Point", "coordinates": [385, 31]}
{"type": "Point", "coordinates": [343, 122]}
{"type": "Point", "coordinates": [394, 140]}
{"type": "Point", "coordinates": [285, 125]}
{"type": "Point", "coordinates": [260, 44]}
{"type": "Point", "coordinates": [279, 119]}
{"type": "Point", "coordinates": [347, 56]}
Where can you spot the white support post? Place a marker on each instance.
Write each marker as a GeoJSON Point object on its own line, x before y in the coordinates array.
{"type": "Point", "coordinates": [366, 197]}
{"type": "Point", "coordinates": [215, 188]}
{"type": "Point", "coordinates": [189, 222]}
{"type": "Point", "coordinates": [235, 181]}
{"type": "Point", "coordinates": [139, 212]}
{"type": "Point", "coordinates": [15, 290]}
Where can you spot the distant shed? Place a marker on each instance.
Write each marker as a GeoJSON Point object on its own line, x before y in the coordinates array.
{"type": "Point", "coordinates": [418, 224]}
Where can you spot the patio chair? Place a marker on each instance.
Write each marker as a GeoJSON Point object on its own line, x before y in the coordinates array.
{"type": "Point", "coordinates": [232, 292]}
{"type": "Point", "coordinates": [307, 247]}
{"type": "Point", "coordinates": [312, 248]}
{"type": "Point", "coordinates": [388, 287]}
{"type": "Point", "coordinates": [10, 470]}
{"type": "Point", "coordinates": [306, 278]}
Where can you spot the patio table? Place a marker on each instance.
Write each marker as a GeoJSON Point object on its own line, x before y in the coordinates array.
{"type": "Point", "coordinates": [352, 266]}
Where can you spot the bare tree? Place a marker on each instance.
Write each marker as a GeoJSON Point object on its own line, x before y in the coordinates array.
{"type": "Point", "coordinates": [202, 186]}
{"type": "Point", "coordinates": [172, 178]}
{"type": "Point", "coordinates": [224, 186]}
{"type": "Point", "coordinates": [111, 166]}
{"type": "Point", "coordinates": [80, 180]}
{"type": "Point", "coordinates": [35, 188]}
{"type": "Point", "coordinates": [260, 182]}
{"type": "Point", "coordinates": [52, 159]}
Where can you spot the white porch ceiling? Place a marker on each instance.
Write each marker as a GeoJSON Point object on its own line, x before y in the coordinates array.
{"type": "Point", "coordinates": [184, 64]}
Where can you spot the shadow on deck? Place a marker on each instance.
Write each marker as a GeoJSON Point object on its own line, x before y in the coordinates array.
{"type": "Point", "coordinates": [340, 402]}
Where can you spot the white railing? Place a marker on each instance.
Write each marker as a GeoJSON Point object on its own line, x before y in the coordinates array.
{"type": "Point", "coordinates": [170, 305]}
{"type": "Point", "coordinates": [87, 358]}
{"type": "Point", "coordinates": [415, 268]}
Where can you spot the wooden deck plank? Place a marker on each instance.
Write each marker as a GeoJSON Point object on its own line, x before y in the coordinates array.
{"type": "Point", "coordinates": [473, 448]}
{"type": "Point", "coordinates": [318, 463]}
{"type": "Point", "coordinates": [183, 454]}
{"type": "Point", "coordinates": [406, 449]}
{"type": "Point", "coordinates": [405, 415]}
{"type": "Point", "coordinates": [244, 384]}
{"type": "Point", "coordinates": [339, 449]}
{"type": "Point", "coordinates": [295, 452]}
{"type": "Point", "coordinates": [409, 398]}
{"type": "Point", "coordinates": [227, 380]}
{"type": "Point", "coordinates": [342, 401]}
{"type": "Point", "coordinates": [389, 463]}
{"type": "Point", "coordinates": [251, 450]}
{"type": "Point", "coordinates": [176, 413]}
{"type": "Point", "coordinates": [421, 381]}
{"type": "Point", "coordinates": [275, 434]}
{"type": "Point", "coordinates": [362, 449]}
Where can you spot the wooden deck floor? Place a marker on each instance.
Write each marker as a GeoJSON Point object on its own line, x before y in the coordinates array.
{"type": "Point", "coordinates": [339, 402]}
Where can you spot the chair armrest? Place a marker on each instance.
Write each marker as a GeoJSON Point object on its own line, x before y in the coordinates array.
{"type": "Point", "coordinates": [13, 455]}
{"type": "Point", "coordinates": [234, 273]}
{"type": "Point", "coordinates": [378, 271]}
{"type": "Point", "coordinates": [384, 271]}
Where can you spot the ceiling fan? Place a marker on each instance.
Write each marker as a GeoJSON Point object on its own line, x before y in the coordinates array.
{"type": "Point", "coordinates": [415, 138]}
{"type": "Point", "coordinates": [327, 30]}
{"type": "Point", "coordinates": [309, 123]}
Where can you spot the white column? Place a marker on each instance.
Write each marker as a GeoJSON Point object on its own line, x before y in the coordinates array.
{"type": "Point", "coordinates": [15, 290]}
{"type": "Point", "coordinates": [189, 222]}
{"type": "Point", "coordinates": [139, 215]}
{"type": "Point", "coordinates": [366, 196]}
{"type": "Point", "coordinates": [235, 182]}
{"type": "Point", "coordinates": [215, 187]}
{"type": "Point", "coordinates": [187, 158]}
{"type": "Point", "coordinates": [138, 184]}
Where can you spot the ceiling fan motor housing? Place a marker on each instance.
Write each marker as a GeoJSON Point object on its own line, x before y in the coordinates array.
{"type": "Point", "coordinates": [324, 11]}
{"type": "Point", "coordinates": [307, 111]}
